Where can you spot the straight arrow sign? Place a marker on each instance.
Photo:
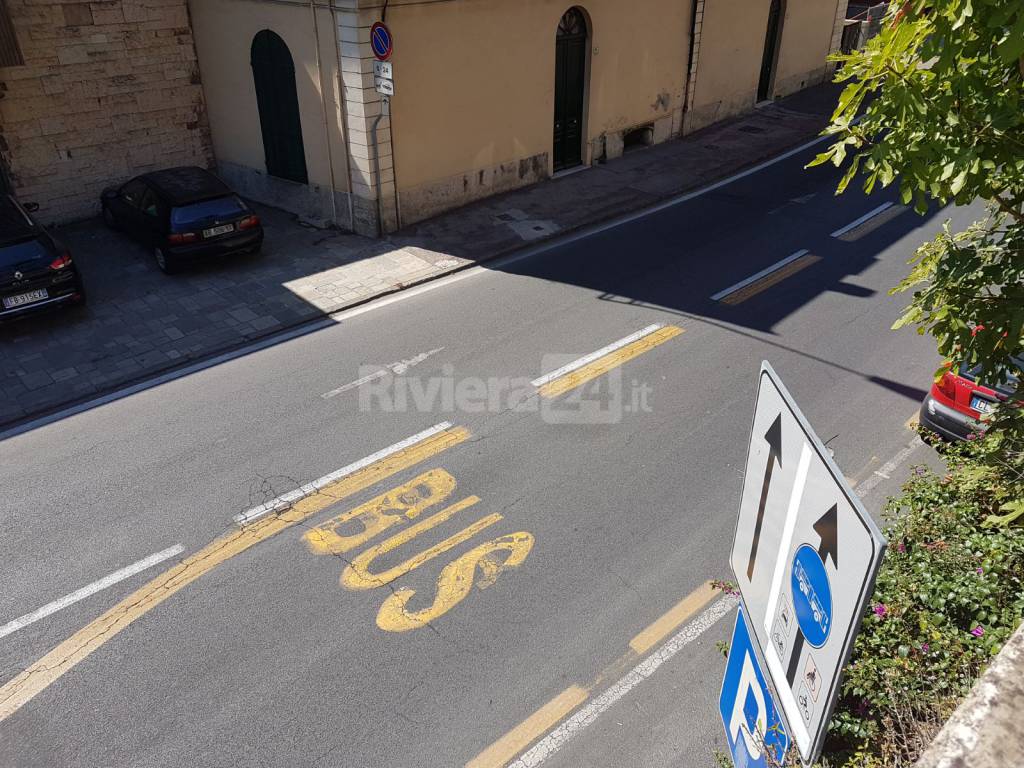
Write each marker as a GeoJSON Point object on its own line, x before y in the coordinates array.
{"type": "Point", "coordinates": [774, 438]}
{"type": "Point", "coordinates": [828, 531]}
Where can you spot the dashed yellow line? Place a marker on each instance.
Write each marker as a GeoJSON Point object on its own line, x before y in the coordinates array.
{"type": "Point", "coordinates": [24, 687]}
{"type": "Point", "coordinates": [508, 747]}
{"type": "Point", "coordinates": [673, 618]}
{"type": "Point", "coordinates": [603, 364]}
{"type": "Point", "coordinates": [505, 749]}
{"type": "Point", "coordinates": [766, 282]}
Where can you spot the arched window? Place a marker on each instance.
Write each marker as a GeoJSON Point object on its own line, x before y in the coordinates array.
{"type": "Point", "coordinates": [570, 79]}
{"type": "Point", "coordinates": [273, 73]}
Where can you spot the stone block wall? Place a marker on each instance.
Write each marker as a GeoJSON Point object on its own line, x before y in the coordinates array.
{"type": "Point", "coordinates": [109, 89]}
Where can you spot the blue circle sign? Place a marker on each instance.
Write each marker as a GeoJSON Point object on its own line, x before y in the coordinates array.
{"type": "Point", "coordinates": [812, 596]}
{"type": "Point", "coordinates": [381, 41]}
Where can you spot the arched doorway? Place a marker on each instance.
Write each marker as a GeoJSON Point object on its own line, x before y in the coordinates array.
{"type": "Point", "coordinates": [570, 81]}
{"type": "Point", "coordinates": [273, 73]}
{"type": "Point", "coordinates": [771, 45]}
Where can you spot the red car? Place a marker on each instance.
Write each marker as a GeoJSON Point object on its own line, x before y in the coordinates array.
{"type": "Point", "coordinates": [958, 400]}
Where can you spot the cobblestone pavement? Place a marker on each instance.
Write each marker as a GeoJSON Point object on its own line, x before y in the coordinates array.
{"type": "Point", "coordinates": [139, 322]}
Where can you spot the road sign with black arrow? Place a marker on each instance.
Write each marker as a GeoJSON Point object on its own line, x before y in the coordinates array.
{"type": "Point", "coordinates": [805, 557]}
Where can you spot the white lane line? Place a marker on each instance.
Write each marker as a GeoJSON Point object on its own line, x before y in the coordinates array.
{"type": "Point", "coordinates": [763, 273]}
{"type": "Point", "coordinates": [580, 362]}
{"type": "Point", "coordinates": [885, 471]}
{"type": "Point", "coordinates": [430, 284]}
{"type": "Point", "coordinates": [555, 740]}
{"type": "Point", "coordinates": [287, 499]}
{"type": "Point", "coordinates": [91, 589]}
{"type": "Point", "coordinates": [398, 368]}
{"type": "Point", "coordinates": [857, 222]}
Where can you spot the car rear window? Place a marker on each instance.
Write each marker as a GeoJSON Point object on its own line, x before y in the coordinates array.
{"type": "Point", "coordinates": [195, 213]}
{"type": "Point", "coordinates": [27, 250]}
{"type": "Point", "coordinates": [1006, 388]}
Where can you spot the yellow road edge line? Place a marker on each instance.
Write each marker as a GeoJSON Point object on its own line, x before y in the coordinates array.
{"type": "Point", "coordinates": [766, 282]}
{"type": "Point", "coordinates": [870, 225]}
{"type": "Point", "coordinates": [607, 362]}
{"type": "Point", "coordinates": [505, 749]}
{"type": "Point", "coordinates": [25, 686]}
{"type": "Point", "coordinates": [664, 626]}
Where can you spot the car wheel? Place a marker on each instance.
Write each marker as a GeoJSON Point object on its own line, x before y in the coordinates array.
{"type": "Point", "coordinates": [164, 261]}
{"type": "Point", "coordinates": [108, 218]}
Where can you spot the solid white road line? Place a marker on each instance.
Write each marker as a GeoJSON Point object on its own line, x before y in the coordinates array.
{"type": "Point", "coordinates": [495, 265]}
{"type": "Point", "coordinates": [91, 589]}
{"type": "Point", "coordinates": [763, 273]}
{"type": "Point", "coordinates": [586, 359]}
{"type": "Point", "coordinates": [857, 222]}
{"type": "Point", "coordinates": [287, 499]}
{"type": "Point", "coordinates": [885, 471]}
{"type": "Point", "coordinates": [555, 740]}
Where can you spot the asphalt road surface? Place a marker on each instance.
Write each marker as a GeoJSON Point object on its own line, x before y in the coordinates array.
{"type": "Point", "coordinates": [502, 554]}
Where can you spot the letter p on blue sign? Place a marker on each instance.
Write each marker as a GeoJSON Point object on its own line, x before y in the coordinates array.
{"type": "Point", "coordinates": [752, 724]}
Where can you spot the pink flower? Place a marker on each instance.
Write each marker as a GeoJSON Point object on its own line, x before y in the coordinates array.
{"type": "Point", "coordinates": [978, 631]}
{"type": "Point", "coordinates": [881, 610]}
{"type": "Point", "coordinates": [980, 571]}
{"type": "Point", "coordinates": [901, 548]}
{"type": "Point", "coordinates": [972, 436]}
{"type": "Point", "coordinates": [925, 647]}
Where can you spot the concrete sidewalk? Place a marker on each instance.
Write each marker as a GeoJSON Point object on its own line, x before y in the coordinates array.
{"type": "Point", "coordinates": [140, 323]}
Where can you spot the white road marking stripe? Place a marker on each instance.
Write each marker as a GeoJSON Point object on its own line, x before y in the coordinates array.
{"type": "Point", "coordinates": [555, 740]}
{"type": "Point", "coordinates": [287, 499]}
{"type": "Point", "coordinates": [91, 589]}
{"type": "Point", "coordinates": [404, 294]}
{"type": "Point", "coordinates": [763, 273]}
{"type": "Point", "coordinates": [885, 471]}
{"type": "Point", "coordinates": [857, 222]}
{"type": "Point", "coordinates": [579, 363]}
{"type": "Point", "coordinates": [398, 368]}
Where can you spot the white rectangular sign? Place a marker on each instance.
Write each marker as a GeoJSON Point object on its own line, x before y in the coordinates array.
{"type": "Point", "coordinates": [383, 69]}
{"type": "Point", "coordinates": [805, 557]}
{"type": "Point", "coordinates": [382, 85]}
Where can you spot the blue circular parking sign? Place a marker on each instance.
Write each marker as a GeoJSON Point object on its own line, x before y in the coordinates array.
{"type": "Point", "coordinates": [812, 596]}
{"type": "Point", "coordinates": [381, 41]}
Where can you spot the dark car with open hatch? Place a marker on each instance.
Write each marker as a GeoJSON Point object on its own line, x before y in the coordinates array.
{"type": "Point", "coordinates": [36, 269]}
{"type": "Point", "coordinates": [184, 215]}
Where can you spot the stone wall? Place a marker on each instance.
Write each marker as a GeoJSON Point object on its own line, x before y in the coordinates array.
{"type": "Point", "coordinates": [109, 89]}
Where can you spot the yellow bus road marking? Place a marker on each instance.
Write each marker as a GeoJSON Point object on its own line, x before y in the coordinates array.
{"type": "Point", "coordinates": [869, 222]}
{"type": "Point", "coordinates": [767, 278]}
{"type": "Point", "coordinates": [673, 618]}
{"type": "Point", "coordinates": [531, 729]}
{"type": "Point", "coordinates": [25, 686]}
{"type": "Point", "coordinates": [601, 365]}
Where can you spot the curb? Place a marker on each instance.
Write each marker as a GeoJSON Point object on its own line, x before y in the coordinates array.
{"type": "Point", "coordinates": [324, 319]}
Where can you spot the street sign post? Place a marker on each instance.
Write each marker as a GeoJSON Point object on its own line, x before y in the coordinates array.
{"type": "Point", "coordinates": [384, 69]}
{"type": "Point", "coordinates": [752, 725]}
{"type": "Point", "coordinates": [382, 85]}
{"type": "Point", "coordinates": [381, 41]}
{"type": "Point", "coordinates": [805, 555]}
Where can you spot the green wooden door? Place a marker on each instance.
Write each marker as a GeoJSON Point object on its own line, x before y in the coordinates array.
{"type": "Point", "coordinates": [273, 73]}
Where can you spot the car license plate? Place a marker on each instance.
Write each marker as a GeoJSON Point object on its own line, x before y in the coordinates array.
{"type": "Point", "coordinates": [222, 229]}
{"type": "Point", "coordinates": [980, 405]}
{"type": "Point", "coordinates": [10, 302]}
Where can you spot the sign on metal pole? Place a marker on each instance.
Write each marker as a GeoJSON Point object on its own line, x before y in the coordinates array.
{"type": "Point", "coordinates": [752, 725]}
{"type": "Point", "coordinates": [805, 557]}
{"type": "Point", "coordinates": [381, 41]}
{"type": "Point", "coordinates": [387, 87]}
{"type": "Point", "coordinates": [384, 69]}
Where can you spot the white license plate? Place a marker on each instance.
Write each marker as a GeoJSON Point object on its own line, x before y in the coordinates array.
{"type": "Point", "coordinates": [10, 302]}
{"type": "Point", "coordinates": [980, 405]}
{"type": "Point", "coordinates": [222, 229]}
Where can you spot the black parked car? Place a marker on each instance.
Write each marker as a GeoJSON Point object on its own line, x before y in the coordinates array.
{"type": "Point", "coordinates": [36, 270]}
{"type": "Point", "coordinates": [184, 214]}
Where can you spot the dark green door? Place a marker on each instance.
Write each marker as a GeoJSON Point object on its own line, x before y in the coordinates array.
{"type": "Point", "coordinates": [570, 71]}
{"type": "Point", "coordinates": [771, 42]}
{"type": "Point", "coordinates": [273, 73]}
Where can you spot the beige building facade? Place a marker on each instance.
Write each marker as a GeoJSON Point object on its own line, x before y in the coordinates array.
{"type": "Point", "coordinates": [94, 93]}
{"type": "Point", "coordinates": [489, 95]}
{"type": "Point", "coordinates": [280, 96]}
